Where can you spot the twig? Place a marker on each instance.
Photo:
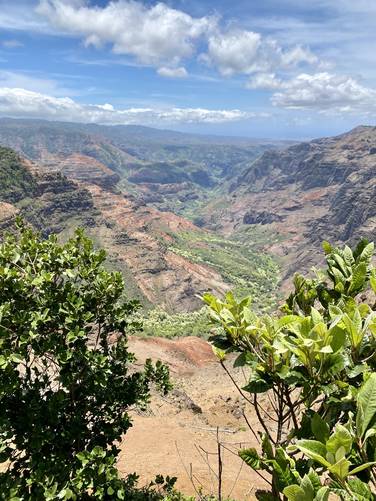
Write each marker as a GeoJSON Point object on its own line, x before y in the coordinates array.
{"type": "Point", "coordinates": [186, 470]}
{"type": "Point", "coordinates": [220, 467]}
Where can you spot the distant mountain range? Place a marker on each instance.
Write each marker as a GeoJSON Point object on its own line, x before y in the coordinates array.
{"type": "Point", "coordinates": [134, 207]}
{"type": "Point", "coordinates": [183, 213]}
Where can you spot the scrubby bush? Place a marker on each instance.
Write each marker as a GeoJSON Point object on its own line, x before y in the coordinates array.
{"type": "Point", "coordinates": [66, 380]}
{"type": "Point", "coordinates": [315, 362]}
{"type": "Point", "coordinates": [158, 322]}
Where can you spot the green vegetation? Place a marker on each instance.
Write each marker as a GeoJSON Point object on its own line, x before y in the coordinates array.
{"type": "Point", "coordinates": [246, 269]}
{"type": "Point", "coordinates": [15, 181]}
{"type": "Point", "coordinates": [316, 365]}
{"type": "Point", "coordinates": [158, 322]}
{"type": "Point", "coordinates": [65, 379]}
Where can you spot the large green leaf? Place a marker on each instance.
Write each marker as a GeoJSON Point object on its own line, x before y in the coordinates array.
{"type": "Point", "coordinates": [320, 428]}
{"type": "Point", "coordinates": [361, 491]}
{"type": "Point", "coordinates": [295, 493]}
{"type": "Point", "coordinates": [366, 404]}
{"type": "Point", "coordinates": [340, 438]}
{"type": "Point", "coordinates": [314, 450]}
{"type": "Point", "coordinates": [359, 277]}
{"type": "Point", "coordinates": [367, 253]}
{"type": "Point", "coordinates": [341, 468]}
{"type": "Point", "coordinates": [362, 467]}
{"type": "Point", "coordinates": [322, 494]}
{"type": "Point", "coordinates": [251, 458]}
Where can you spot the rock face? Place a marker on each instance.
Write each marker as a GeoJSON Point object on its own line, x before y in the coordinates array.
{"type": "Point", "coordinates": [129, 188]}
{"type": "Point", "coordinates": [139, 237]}
{"type": "Point", "coordinates": [136, 236]}
{"type": "Point", "coordinates": [48, 200]}
{"type": "Point", "coordinates": [321, 190]}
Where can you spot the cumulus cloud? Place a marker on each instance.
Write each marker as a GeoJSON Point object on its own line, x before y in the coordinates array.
{"type": "Point", "coordinates": [236, 52]}
{"type": "Point", "coordinates": [151, 34]}
{"type": "Point", "coordinates": [324, 91]}
{"type": "Point", "coordinates": [180, 72]}
{"type": "Point", "coordinates": [242, 51]}
{"type": "Point", "coordinates": [27, 104]}
{"type": "Point", "coordinates": [266, 81]}
{"type": "Point", "coordinates": [162, 36]}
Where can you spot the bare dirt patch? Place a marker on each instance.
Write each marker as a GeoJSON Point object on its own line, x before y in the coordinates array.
{"type": "Point", "coordinates": [178, 434]}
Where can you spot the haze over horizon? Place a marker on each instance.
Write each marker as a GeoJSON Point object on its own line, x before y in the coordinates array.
{"type": "Point", "coordinates": [278, 70]}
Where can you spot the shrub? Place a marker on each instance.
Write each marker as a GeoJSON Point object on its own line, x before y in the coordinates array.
{"type": "Point", "coordinates": [66, 382]}
{"type": "Point", "coordinates": [158, 322]}
{"type": "Point", "coordinates": [316, 363]}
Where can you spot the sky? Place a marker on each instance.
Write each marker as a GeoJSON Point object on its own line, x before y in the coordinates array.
{"type": "Point", "coordinates": [284, 69]}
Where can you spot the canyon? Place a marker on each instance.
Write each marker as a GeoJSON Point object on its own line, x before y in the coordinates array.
{"type": "Point", "coordinates": [183, 214]}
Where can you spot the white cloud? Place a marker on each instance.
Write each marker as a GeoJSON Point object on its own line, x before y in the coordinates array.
{"type": "Point", "coordinates": [236, 52]}
{"type": "Point", "coordinates": [325, 91]}
{"type": "Point", "coordinates": [267, 81]}
{"type": "Point", "coordinates": [27, 104]}
{"type": "Point", "coordinates": [296, 56]}
{"type": "Point", "coordinates": [13, 79]}
{"type": "Point", "coordinates": [167, 72]}
{"type": "Point", "coordinates": [20, 16]}
{"type": "Point", "coordinates": [151, 34]}
{"type": "Point", "coordinates": [12, 44]}
{"type": "Point", "coordinates": [242, 51]}
{"type": "Point", "coordinates": [162, 36]}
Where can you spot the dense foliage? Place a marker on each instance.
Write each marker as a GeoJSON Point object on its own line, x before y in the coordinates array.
{"type": "Point", "coordinates": [315, 367]}
{"type": "Point", "coordinates": [158, 322]}
{"type": "Point", "coordinates": [15, 181]}
{"type": "Point", "coordinates": [66, 381]}
{"type": "Point", "coordinates": [240, 264]}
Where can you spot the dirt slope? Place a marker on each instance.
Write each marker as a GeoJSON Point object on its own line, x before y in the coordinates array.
{"type": "Point", "coordinates": [175, 434]}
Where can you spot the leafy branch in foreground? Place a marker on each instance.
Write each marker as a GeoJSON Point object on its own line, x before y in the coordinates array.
{"type": "Point", "coordinates": [315, 365]}
{"type": "Point", "coordinates": [66, 381]}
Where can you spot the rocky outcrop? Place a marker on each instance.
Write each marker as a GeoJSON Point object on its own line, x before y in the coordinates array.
{"type": "Point", "coordinates": [87, 169]}
{"type": "Point", "coordinates": [321, 190]}
{"type": "Point", "coordinates": [139, 237]}
{"type": "Point", "coordinates": [253, 217]}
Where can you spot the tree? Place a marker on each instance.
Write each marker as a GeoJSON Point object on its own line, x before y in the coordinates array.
{"type": "Point", "coordinates": [66, 379]}
{"type": "Point", "coordinates": [315, 363]}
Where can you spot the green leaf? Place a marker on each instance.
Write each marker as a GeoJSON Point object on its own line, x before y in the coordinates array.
{"type": "Point", "coordinates": [341, 468]}
{"type": "Point", "coordinates": [16, 357]}
{"type": "Point", "coordinates": [327, 247]}
{"type": "Point", "coordinates": [220, 354]}
{"type": "Point", "coordinates": [340, 438]}
{"type": "Point", "coordinates": [295, 493]}
{"type": "Point", "coordinates": [240, 361]}
{"type": "Point", "coordinates": [362, 467]}
{"type": "Point", "coordinates": [257, 385]}
{"type": "Point", "coordinates": [359, 277]}
{"type": "Point", "coordinates": [251, 458]}
{"type": "Point", "coordinates": [307, 486]}
{"type": "Point", "coordinates": [320, 428]}
{"type": "Point", "coordinates": [267, 447]}
{"type": "Point", "coordinates": [322, 494]}
{"type": "Point", "coordinates": [361, 490]}
{"type": "Point", "coordinates": [372, 281]}
{"type": "Point", "coordinates": [367, 253]}
{"type": "Point", "coordinates": [314, 450]}
{"type": "Point", "coordinates": [367, 404]}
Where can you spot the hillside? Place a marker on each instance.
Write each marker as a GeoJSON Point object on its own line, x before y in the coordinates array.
{"type": "Point", "coordinates": [165, 259]}
{"type": "Point", "coordinates": [169, 170]}
{"type": "Point", "coordinates": [323, 189]}
{"type": "Point", "coordinates": [181, 213]}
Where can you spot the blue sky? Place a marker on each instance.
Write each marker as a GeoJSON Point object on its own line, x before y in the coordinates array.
{"type": "Point", "coordinates": [270, 68]}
